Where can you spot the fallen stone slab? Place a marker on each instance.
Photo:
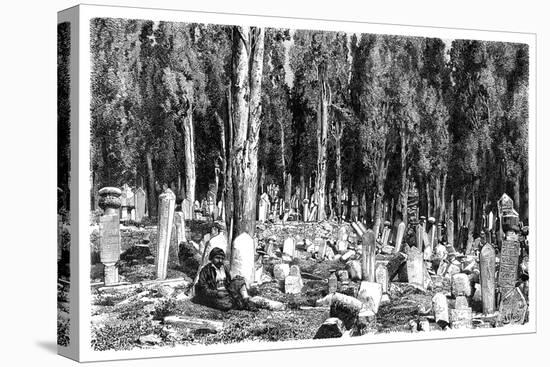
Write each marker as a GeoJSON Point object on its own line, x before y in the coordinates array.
{"type": "Point", "coordinates": [151, 339]}
{"type": "Point", "coordinates": [373, 291]}
{"type": "Point", "coordinates": [331, 328]}
{"type": "Point", "coordinates": [268, 304]}
{"type": "Point", "coordinates": [194, 323]}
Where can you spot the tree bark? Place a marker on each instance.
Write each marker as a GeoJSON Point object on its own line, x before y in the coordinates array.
{"type": "Point", "coordinates": [338, 151]}
{"type": "Point", "coordinates": [151, 192]}
{"type": "Point", "coordinates": [404, 193]}
{"type": "Point", "coordinates": [247, 63]}
{"type": "Point", "coordinates": [189, 153]}
{"type": "Point", "coordinates": [322, 129]}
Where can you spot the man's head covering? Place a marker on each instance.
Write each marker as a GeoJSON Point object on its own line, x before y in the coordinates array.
{"type": "Point", "coordinates": [215, 252]}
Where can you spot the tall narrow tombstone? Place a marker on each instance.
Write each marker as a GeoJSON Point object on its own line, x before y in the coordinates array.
{"type": "Point", "coordinates": [431, 232]}
{"type": "Point", "coordinates": [381, 274]}
{"type": "Point", "coordinates": [109, 233]}
{"type": "Point", "coordinates": [399, 237]}
{"type": "Point", "coordinates": [509, 261]}
{"type": "Point", "coordinates": [167, 204]}
{"type": "Point", "coordinates": [513, 308]}
{"type": "Point", "coordinates": [289, 246]}
{"type": "Point", "coordinates": [368, 256]}
{"type": "Point", "coordinates": [386, 233]}
{"type": "Point", "coordinates": [420, 236]}
{"type": "Point", "coordinates": [306, 210]}
{"type": "Point", "coordinates": [487, 278]}
{"type": "Point", "coordinates": [450, 233]}
{"type": "Point", "coordinates": [242, 257]}
{"type": "Point", "coordinates": [187, 209]}
{"type": "Point", "coordinates": [139, 202]}
{"type": "Point", "coordinates": [440, 308]}
{"type": "Point", "coordinates": [415, 267]}
{"type": "Point", "coordinates": [179, 222]}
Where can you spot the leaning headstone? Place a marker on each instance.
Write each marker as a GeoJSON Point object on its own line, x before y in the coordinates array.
{"type": "Point", "coordinates": [395, 263]}
{"type": "Point", "coordinates": [509, 260]}
{"type": "Point", "coordinates": [460, 285]}
{"type": "Point", "coordinates": [331, 328]}
{"type": "Point", "coordinates": [242, 257]}
{"type": "Point", "coordinates": [399, 237]}
{"type": "Point", "coordinates": [263, 207]}
{"type": "Point", "coordinates": [382, 278]}
{"type": "Point", "coordinates": [289, 246]}
{"type": "Point", "coordinates": [344, 307]}
{"type": "Point", "coordinates": [386, 233]}
{"type": "Point", "coordinates": [139, 202]}
{"type": "Point", "coordinates": [109, 233]}
{"type": "Point", "coordinates": [487, 278]}
{"type": "Point", "coordinates": [415, 267]}
{"type": "Point", "coordinates": [441, 309]}
{"type": "Point", "coordinates": [420, 236]}
{"type": "Point", "coordinates": [513, 308]}
{"type": "Point", "coordinates": [167, 204]}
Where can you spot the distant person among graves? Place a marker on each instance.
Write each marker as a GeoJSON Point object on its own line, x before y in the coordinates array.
{"type": "Point", "coordinates": [215, 287]}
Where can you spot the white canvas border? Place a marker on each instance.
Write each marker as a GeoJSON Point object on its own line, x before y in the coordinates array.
{"type": "Point", "coordinates": [88, 12]}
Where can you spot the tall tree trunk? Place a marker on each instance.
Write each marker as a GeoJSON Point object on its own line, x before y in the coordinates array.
{"type": "Point", "coordinates": [338, 148]}
{"type": "Point", "coordinates": [404, 193]}
{"type": "Point", "coordinates": [379, 207]}
{"type": "Point", "coordinates": [151, 192]}
{"type": "Point", "coordinates": [322, 129]}
{"type": "Point", "coordinates": [283, 161]}
{"type": "Point", "coordinates": [247, 63]}
{"type": "Point", "coordinates": [524, 199]}
{"type": "Point", "coordinates": [189, 153]}
{"type": "Point", "coordinates": [228, 182]}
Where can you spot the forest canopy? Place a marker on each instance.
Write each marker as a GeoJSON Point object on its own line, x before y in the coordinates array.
{"type": "Point", "coordinates": [358, 118]}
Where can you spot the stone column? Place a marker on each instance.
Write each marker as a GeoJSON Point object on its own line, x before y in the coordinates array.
{"type": "Point", "coordinates": [487, 278]}
{"type": "Point", "coordinates": [167, 203]}
{"type": "Point", "coordinates": [109, 233]}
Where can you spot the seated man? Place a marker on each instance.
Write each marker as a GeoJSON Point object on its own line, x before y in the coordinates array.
{"type": "Point", "coordinates": [216, 289]}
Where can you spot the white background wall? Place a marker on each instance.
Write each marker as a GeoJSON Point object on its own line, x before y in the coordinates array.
{"type": "Point", "coordinates": [28, 182]}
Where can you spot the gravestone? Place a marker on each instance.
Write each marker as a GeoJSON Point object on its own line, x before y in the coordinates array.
{"type": "Point", "coordinates": [428, 249]}
{"type": "Point", "coordinates": [370, 291]}
{"type": "Point", "coordinates": [386, 233]}
{"type": "Point", "coordinates": [139, 202]}
{"type": "Point", "coordinates": [333, 327]}
{"type": "Point", "coordinates": [382, 277]}
{"type": "Point", "coordinates": [289, 246]}
{"type": "Point", "coordinates": [460, 285]}
{"type": "Point", "coordinates": [109, 233]}
{"type": "Point", "coordinates": [179, 222]}
{"type": "Point", "coordinates": [450, 233]}
{"type": "Point", "coordinates": [513, 308]}
{"type": "Point", "coordinates": [343, 233]}
{"type": "Point", "coordinates": [369, 256]}
{"type": "Point", "coordinates": [306, 210]}
{"type": "Point", "coordinates": [399, 237]}
{"type": "Point", "coordinates": [487, 278]}
{"type": "Point", "coordinates": [221, 211]}
{"type": "Point", "coordinates": [342, 246]}
{"type": "Point", "coordinates": [187, 209]}
{"type": "Point", "coordinates": [167, 204]}
{"type": "Point", "coordinates": [415, 267]}
{"type": "Point", "coordinates": [242, 258]}
{"type": "Point", "coordinates": [440, 308]}
{"type": "Point", "coordinates": [281, 271]}
{"type": "Point", "coordinates": [431, 232]}
{"type": "Point", "coordinates": [354, 269]}
{"type": "Point", "coordinates": [509, 260]}
{"type": "Point", "coordinates": [293, 282]}
{"type": "Point", "coordinates": [461, 318]}
{"type": "Point", "coordinates": [322, 246]}
{"type": "Point", "coordinates": [420, 236]}
{"type": "Point", "coordinates": [263, 207]}
{"type": "Point", "coordinates": [394, 264]}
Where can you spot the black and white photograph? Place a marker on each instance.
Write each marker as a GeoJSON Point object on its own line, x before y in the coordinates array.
{"type": "Point", "coordinates": [264, 184]}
